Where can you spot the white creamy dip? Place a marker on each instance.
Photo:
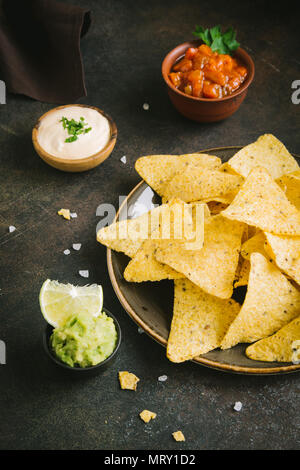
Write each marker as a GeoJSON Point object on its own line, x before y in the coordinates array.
{"type": "Point", "coordinates": [51, 135]}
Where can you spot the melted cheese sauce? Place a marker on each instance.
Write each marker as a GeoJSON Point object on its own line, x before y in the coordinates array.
{"type": "Point", "coordinates": [51, 135]}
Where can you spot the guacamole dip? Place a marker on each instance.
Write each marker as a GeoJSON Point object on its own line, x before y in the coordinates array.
{"type": "Point", "coordinates": [84, 340]}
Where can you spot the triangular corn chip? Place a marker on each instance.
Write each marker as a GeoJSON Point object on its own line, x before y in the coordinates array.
{"type": "Point", "coordinates": [144, 266]}
{"type": "Point", "coordinates": [267, 152]}
{"type": "Point", "coordinates": [285, 251]}
{"type": "Point", "coordinates": [157, 170]}
{"type": "Point", "coordinates": [199, 321]}
{"type": "Point", "coordinates": [262, 203]}
{"type": "Point", "coordinates": [128, 235]}
{"type": "Point", "coordinates": [213, 267]}
{"type": "Point", "coordinates": [198, 184]}
{"type": "Point", "coordinates": [280, 347]}
{"type": "Point", "coordinates": [271, 302]}
{"type": "Point", "coordinates": [290, 184]}
{"type": "Point", "coordinates": [254, 244]}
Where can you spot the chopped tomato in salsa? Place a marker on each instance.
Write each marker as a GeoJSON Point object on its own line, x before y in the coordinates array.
{"type": "Point", "coordinates": [207, 74]}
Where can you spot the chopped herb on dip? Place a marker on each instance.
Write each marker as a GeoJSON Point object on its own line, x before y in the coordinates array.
{"type": "Point", "coordinates": [74, 128]}
{"type": "Point", "coordinates": [84, 340]}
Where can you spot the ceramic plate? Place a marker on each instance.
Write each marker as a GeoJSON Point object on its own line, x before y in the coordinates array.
{"type": "Point", "coordinates": [150, 304]}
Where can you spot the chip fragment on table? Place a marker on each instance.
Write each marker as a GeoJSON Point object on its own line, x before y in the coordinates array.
{"type": "Point", "coordinates": [128, 380]}
{"type": "Point", "coordinates": [147, 415]}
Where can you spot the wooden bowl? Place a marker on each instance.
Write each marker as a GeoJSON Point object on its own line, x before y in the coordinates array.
{"type": "Point", "coordinates": [76, 164]}
{"type": "Point", "coordinates": [204, 109]}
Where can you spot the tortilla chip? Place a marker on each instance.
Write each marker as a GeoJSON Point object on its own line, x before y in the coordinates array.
{"type": "Point", "coordinates": [128, 381]}
{"type": "Point", "coordinates": [147, 415]}
{"type": "Point", "coordinates": [278, 347]}
{"type": "Point", "coordinates": [285, 251]}
{"type": "Point", "coordinates": [242, 274]}
{"type": "Point", "coordinates": [196, 184]}
{"type": "Point", "coordinates": [144, 267]}
{"type": "Point", "coordinates": [262, 203]}
{"type": "Point", "coordinates": [290, 184]}
{"type": "Point", "coordinates": [157, 170]}
{"type": "Point", "coordinates": [267, 152]}
{"type": "Point", "coordinates": [271, 302]}
{"type": "Point", "coordinates": [213, 267]}
{"type": "Point", "coordinates": [178, 436]}
{"type": "Point", "coordinates": [65, 213]}
{"type": "Point", "coordinates": [199, 321]}
{"type": "Point", "coordinates": [254, 245]}
{"type": "Point", "coordinates": [127, 236]}
{"type": "Point", "coordinates": [227, 169]}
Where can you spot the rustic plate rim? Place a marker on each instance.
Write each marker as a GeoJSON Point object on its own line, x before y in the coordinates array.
{"type": "Point", "coordinates": [159, 339]}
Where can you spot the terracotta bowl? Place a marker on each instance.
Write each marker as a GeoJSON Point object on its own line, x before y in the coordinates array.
{"type": "Point", "coordinates": [203, 109]}
{"type": "Point", "coordinates": [76, 164]}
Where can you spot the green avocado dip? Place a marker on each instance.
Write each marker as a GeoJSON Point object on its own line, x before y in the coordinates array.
{"type": "Point", "coordinates": [84, 340]}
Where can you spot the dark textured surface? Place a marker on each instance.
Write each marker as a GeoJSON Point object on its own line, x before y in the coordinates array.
{"type": "Point", "coordinates": [122, 53]}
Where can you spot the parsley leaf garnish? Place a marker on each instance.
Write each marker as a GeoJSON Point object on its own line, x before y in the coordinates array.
{"type": "Point", "coordinates": [222, 43]}
{"type": "Point", "coordinates": [74, 128]}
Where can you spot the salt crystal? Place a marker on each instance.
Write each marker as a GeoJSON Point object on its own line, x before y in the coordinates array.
{"type": "Point", "coordinates": [67, 252]}
{"type": "Point", "coordinates": [84, 273]}
{"type": "Point", "coordinates": [123, 159]}
{"type": "Point", "coordinates": [146, 106]}
{"type": "Point", "coordinates": [73, 215]}
{"type": "Point", "coordinates": [11, 228]}
{"type": "Point", "coordinates": [140, 330]}
{"type": "Point", "coordinates": [162, 378]}
{"type": "Point", "coordinates": [76, 246]}
{"type": "Point", "coordinates": [237, 406]}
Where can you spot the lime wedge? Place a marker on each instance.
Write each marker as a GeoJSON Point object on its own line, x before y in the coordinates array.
{"type": "Point", "coordinates": [59, 301]}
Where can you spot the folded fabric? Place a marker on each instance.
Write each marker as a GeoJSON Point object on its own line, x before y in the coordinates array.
{"type": "Point", "coordinates": [40, 49]}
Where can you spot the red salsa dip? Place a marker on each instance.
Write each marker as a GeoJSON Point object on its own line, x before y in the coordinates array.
{"type": "Point", "coordinates": [206, 74]}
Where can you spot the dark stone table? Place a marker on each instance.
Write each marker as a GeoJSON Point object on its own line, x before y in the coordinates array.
{"type": "Point", "coordinates": [122, 53]}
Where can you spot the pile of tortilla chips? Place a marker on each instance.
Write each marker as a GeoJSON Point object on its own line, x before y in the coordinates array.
{"type": "Point", "coordinates": [221, 226]}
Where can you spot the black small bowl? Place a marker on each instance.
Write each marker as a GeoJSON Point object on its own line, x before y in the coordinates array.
{"type": "Point", "coordinates": [83, 371]}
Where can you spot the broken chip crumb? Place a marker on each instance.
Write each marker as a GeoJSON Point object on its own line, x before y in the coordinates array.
{"type": "Point", "coordinates": [162, 378]}
{"type": "Point", "coordinates": [238, 406]}
{"type": "Point", "coordinates": [76, 246]}
{"type": "Point", "coordinates": [67, 252]}
{"type": "Point", "coordinates": [65, 213]}
{"type": "Point", "coordinates": [123, 159]}
{"type": "Point", "coordinates": [178, 436]}
{"type": "Point", "coordinates": [11, 228]}
{"type": "Point", "coordinates": [128, 381]}
{"type": "Point", "coordinates": [84, 273]}
{"type": "Point", "coordinates": [73, 215]}
{"type": "Point", "coordinates": [146, 106]}
{"type": "Point", "coordinates": [147, 415]}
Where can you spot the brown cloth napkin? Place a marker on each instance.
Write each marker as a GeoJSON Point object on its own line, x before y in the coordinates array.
{"type": "Point", "coordinates": [40, 49]}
